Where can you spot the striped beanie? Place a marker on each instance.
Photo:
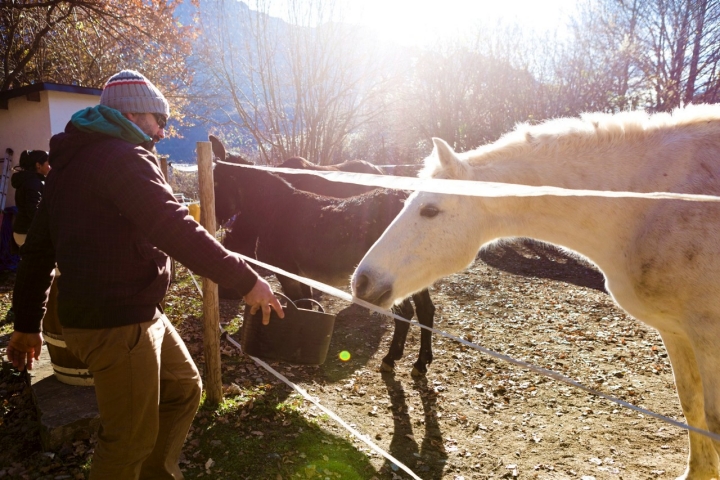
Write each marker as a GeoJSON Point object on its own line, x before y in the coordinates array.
{"type": "Point", "coordinates": [130, 92]}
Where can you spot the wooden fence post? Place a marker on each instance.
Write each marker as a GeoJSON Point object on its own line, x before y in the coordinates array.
{"type": "Point", "coordinates": [211, 306]}
{"type": "Point", "coordinates": [164, 167]}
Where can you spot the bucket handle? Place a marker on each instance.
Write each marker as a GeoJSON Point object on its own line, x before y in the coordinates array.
{"type": "Point", "coordinates": [290, 302]}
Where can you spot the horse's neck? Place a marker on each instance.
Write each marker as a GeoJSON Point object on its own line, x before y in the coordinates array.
{"type": "Point", "coordinates": [371, 212]}
{"type": "Point", "coordinates": [597, 228]}
{"type": "Point", "coordinates": [383, 205]}
{"type": "Point", "coordinates": [262, 183]}
{"type": "Point", "coordinates": [262, 193]}
{"type": "Point", "coordinates": [593, 226]}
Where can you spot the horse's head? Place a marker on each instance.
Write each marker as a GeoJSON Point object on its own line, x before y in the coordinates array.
{"type": "Point", "coordinates": [227, 202]}
{"type": "Point", "coordinates": [237, 188]}
{"type": "Point", "coordinates": [434, 235]}
{"type": "Point", "coordinates": [221, 153]}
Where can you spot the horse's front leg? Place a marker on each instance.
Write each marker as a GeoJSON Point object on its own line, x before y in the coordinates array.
{"type": "Point", "coordinates": [426, 316]}
{"type": "Point", "coordinates": [703, 458]}
{"type": "Point", "coordinates": [397, 346]}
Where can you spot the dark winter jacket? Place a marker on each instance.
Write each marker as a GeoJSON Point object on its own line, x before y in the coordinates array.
{"type": "Point", "coordinates": [28, 187]}
{"type": "Point", "coordinates": [108, 219]}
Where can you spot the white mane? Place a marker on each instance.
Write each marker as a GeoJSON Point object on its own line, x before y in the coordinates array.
{"type": "Point", "coordinates": [590, 129]}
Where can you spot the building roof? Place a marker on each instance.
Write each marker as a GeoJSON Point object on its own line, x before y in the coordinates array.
{"type": "Point", "coordinates": [33, 91]}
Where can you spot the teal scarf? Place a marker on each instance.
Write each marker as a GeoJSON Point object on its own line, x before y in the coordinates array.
{"type": "Point", "coordinates": [102, 119]}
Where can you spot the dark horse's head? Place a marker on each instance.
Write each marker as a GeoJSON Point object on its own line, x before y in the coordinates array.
{"type": "Point", "coordinates": [227, 203]}
{"type": "Point", "coordinates": [250, 197]}
{"type": "Point", "coordinates": [220, 153]}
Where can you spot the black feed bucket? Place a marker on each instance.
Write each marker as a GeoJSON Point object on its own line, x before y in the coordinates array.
{"type": "Point", "coordinates": [302, 337]}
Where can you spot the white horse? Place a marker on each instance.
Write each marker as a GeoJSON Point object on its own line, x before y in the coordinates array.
{"type": "Point", "coordinates": [660, 258]}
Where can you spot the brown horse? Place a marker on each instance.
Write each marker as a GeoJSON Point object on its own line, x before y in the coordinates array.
{"type": "Point", "coordinates": [356, 166]}
{"type": "Point", "coordinates": [308, 183]}
{"type": "Point", "coordinates": [315, 236]}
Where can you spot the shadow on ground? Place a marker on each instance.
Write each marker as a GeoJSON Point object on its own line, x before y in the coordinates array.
{"type": "Point", "coordinates": [536, 259]}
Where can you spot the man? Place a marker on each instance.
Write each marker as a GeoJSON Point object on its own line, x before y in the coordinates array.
{"type": "Point", "coordinates": [108, 219]}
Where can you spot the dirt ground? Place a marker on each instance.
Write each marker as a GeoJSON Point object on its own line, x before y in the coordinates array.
{"type": "Point", "coordinates": [474, 417]}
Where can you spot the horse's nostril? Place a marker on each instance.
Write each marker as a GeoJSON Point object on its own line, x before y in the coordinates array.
{"type": "Point", "coordinates": [360, 285]}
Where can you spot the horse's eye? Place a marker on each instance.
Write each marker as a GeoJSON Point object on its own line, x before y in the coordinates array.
{"type": "Point", "coordinates": [429, 211]}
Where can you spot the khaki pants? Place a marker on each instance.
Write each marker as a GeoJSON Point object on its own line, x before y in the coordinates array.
{"type": "Point", "coordinates": [148, 391]}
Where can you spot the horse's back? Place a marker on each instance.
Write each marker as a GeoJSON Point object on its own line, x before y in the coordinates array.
{"type": "Point", "coordinates": [321, 186]}
{"type": "Point", "coordinates": [359, 166]}
{"type": "Point", "coordinates": [352, 166]}
{"type": "Point", "coordinates": [298, 163]}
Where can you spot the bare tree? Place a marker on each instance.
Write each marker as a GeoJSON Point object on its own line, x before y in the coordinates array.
{"type": "Point", "coordinates": [469, 94]}
{"type": "Point", "coordinates": [656, 54]}
{"type": "Point", "coordinates": [84, 42]}
{"type": "Point", "coordinates": [298, 87]}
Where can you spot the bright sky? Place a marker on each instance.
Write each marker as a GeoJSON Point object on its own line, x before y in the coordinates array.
{"type": "Point", "coordinates": [421, 21]}
{"type": "Point", "coordinates": [417, 21]}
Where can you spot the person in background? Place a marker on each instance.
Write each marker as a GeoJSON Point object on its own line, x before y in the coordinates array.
{"type": "Point", "coordinates": [5, 165]}
{"type": "Point", "coordinates": [109, 220]}
{"type": "Point", "coordinates": [28, 182]}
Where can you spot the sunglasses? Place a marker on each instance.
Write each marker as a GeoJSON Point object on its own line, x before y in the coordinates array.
{"type": "Point", "coordinates": [160, 119]}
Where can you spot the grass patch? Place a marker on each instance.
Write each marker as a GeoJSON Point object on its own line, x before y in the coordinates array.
{"type": "Point", "coordinates": [261, 433]}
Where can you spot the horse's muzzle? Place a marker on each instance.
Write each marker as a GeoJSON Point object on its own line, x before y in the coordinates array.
{"type": "Point", "coordinates": [367, 288]}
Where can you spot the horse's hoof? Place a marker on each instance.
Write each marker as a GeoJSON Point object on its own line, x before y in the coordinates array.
{"type": "Point", "coordinates": [387, 368]}
{"type": "Point", "coordinates": [417, 373]}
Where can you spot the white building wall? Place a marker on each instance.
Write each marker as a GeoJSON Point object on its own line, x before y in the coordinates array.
{"type": "Point", "coordinates": [25, 125]}
{"type": "Point", "coordinates": [63, 105]}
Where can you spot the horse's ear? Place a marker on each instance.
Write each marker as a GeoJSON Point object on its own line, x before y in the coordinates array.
{"type": "Point", "coordinates": [448, 159]}
{"type": "Point", "coordinates": [217, 147]}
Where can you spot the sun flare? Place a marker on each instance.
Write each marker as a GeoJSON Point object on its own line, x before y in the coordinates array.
{"type": "Point", "coordinates": [417, 22]}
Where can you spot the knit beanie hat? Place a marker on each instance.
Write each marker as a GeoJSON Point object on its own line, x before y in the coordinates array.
{"type": "Point", "coordinates": [130, 92]}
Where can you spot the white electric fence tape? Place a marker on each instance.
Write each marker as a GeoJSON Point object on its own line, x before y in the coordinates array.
{"type": "Point", "coordinates": [307, 397]}
{"type": "Point", "coordinates": [477, 188]}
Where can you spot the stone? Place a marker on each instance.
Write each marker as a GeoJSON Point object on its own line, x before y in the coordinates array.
{"type": "Point", "coordinates": [65, 412]}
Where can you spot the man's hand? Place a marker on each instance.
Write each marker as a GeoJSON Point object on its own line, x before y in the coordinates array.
{"type": "Point", "coordinates": [23, 349]}
{"type": "Point", "coordinates": [262, 296]}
